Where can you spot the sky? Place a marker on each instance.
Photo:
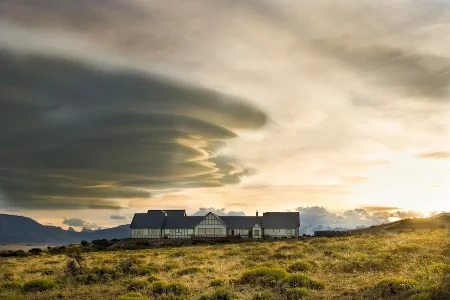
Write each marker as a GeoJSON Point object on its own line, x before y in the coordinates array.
{"type": "Point", "coordinates": [338, 110]}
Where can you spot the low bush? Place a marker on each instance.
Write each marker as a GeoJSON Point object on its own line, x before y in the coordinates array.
{"type": "Point", "coordinates": [219, 294]}
{"type": "Point", "coordinates": [127, 266]}
{"type": "Point", "coordinates": [147, 270]}
{"type": "Point", "coordinates": [421, 296]}
{"type": "Point", "coordinates": [11, 285]}
{"type": "Point", "coordinates": [179, 253]}
{"type": "Point", "coordinates": [152, 278]}
{"type": "Point", "coordinates": [299, 266]}
{"type": "Point", "coordinates": [170, 266]}
{"type": "Point", "coordinates": [162, 287]}
{"type": "Point", "coordinates": [220, 281]}
{"type": "Point", "coordinates": [263, 276]}
{"type": "Point", "coordinates": [391, 286]}
{"type": "Point", "coordinates": [89, 278]}
{"type": "Point", "coordinates": [39, 285]}
{"type": "Point", "coordinates": [35, 251]}
{"type": "Point", "coordinates": [300, 280]}
{"type": "Point", "coordinates": [189, 271]}
{"type": "Point", "coordinates": [132, 296]}
{"type": "Point", "coordinates": [296, 293]}
{"type": "Point", "coordinates": [137, 285]}
{"type": "Point", "coordinates": [263, 296]}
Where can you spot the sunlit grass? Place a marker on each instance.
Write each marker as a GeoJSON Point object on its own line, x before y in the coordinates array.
{"type": "Point", "coordinates": [355, 267]}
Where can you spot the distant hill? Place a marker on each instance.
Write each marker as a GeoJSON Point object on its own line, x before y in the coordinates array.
{"type": "Point", "coordinates": [19, 230]}
{"type": "Point", "coordinates": [436, 222]}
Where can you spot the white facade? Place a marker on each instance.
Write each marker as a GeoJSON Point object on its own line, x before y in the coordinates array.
{"type": "Point", "coordinates": [178, 233]}
{"type": "Point", "coordinates": [210, 226]}
{"type": "Point", "coordinates": [280, 232]}
{"type": "Point", "coordinates": [146, 233]}
{"type": "Point", "coordinates": [257, 231]}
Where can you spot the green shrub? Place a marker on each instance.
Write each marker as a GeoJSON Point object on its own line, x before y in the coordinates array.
{"type": "Point", "coordinates": [127, 266]}
{"type": "Point", "coordinates": [220, 281]}
{"type": "Point", "coordinates": [299, 266]}
{"type": "Point", "coordinates": [162, 287]}
{"type": "Point", "coordinates": [89, 278]}
{"type": "Point", "coordinates": [105, 274]}
{"type": "Point", "coordinates": [446, 251]}
{"type": "Point", "coordinates": [263, 296]}
{"type": "Point", "coordinates": [176, 288]}
{"type": "Point", "coordinates": [147, 270]}
{"type": "Point", "coordinates": [11, 297]}
{"type": "Point", "coordinates": [11, 285]}
{"type": "Point", "coordinates": [300, 280]}
{"type": "Point", "coordinates": [170, 266]}
{"type": "Point", "coordinates": [152, 279]}
{"type": "Point", "coordinates": [219, 294]}
{"type": "Point", "coordinates": [132, 296]}
{"type": "Point", "coordinates": [421, 296]}
{"type": "Point", "coordinates": [296, 293]}
{"type": "Point", "coordinates": [137, 285]}
{"type": "Point", "coordinates": [179, 253]}
{"type": "Point", "coordinates": [39, 285]}
{"type": "Point", "coordinates": [189, 271]}
{"type": "Point", "coordinates": [263, 276]}
{"type": "Point", "coordinates": [159, 287]}
{"type": "Point", "coordinates": [392, 286]}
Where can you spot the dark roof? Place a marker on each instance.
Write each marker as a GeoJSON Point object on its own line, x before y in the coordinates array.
{"type": "Point", "coordinates": [281, 220]}
{"type": "Point", "coordinates": [173, 222]}
{"type": "Point", "coordinates": [175, 212]}
{"type": "Point", "coordinates": [240, 222]}
{"type": "Point", "coordinates": [151, 219]}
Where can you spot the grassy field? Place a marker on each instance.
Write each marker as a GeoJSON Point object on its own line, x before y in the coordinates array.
{"type": "Point", "coordinates": [403, 266]}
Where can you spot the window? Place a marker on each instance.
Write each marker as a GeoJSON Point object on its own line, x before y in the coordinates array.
{"type": "Point", "coordinates": [153, 231]}
{"type": "Point", "coordinates": [276, 230]}
{"type": "Point", "coordinates": [210, 231]}
{"type": "Point", "coordinates": [256, 232]}
{"type": "Point", "coordinates": [288, 230]}
{"type": "Point", "coordinates": [138, 231]}
{"type": "Point", "coordinates": [178, 230]}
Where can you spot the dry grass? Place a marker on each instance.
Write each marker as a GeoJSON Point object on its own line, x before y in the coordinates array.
{"type": "Point", "coordinates": [349, 267]}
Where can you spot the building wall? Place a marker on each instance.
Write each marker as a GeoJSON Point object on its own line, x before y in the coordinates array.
{"type": "Point", "coordinates": [145, 233]}
{"type": "Point", "coordinates": [180, 233]}
{"type": "Point", "coordinates": [241, 231]}
{"type": "Point", "coordinates": [210, 226]}
{"type": "Point", "coordinates": [282, 232]}
{"type": "Point", "coordinates": [257, 228]}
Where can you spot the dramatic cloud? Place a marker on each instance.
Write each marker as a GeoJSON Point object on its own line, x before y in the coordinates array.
{"type": "Point", "coordinates": [83, 143]}
{"type": "Point", "coordinates": [203, 211]}
{"type": "Point", "coordinates": [435, 155]}
{"type": "Point", "coordinates": [118, 217]}
{"type": "Point", "coordinates": [74, 222]}
{"type": "Point", "coordinates": [129, 104]}
{"type": "Point", "coordinates": [319, 218]}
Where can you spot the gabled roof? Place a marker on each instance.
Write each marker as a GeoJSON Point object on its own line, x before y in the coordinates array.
{"type": "Point", "coordinates": [215, 215]}
{"type": "Point", "coordinates": [241, 222]}
{"type": "Point", "coordinates": [175, 222]}
{"type": "Point", "coordinates": [151, 219]}
{"type": "Point", "coordinates": [175, 212]}
{"type": "Point", "coordinates": [281, 220]}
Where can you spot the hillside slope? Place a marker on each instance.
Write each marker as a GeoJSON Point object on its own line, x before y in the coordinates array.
{"type": "Point", "coordinates": [18, 229]}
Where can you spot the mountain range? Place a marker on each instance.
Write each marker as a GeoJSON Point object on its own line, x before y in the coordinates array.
{"type": "Point", "coordinates": [19, 230]}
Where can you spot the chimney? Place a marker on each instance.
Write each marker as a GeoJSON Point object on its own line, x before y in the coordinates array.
{"type": "Point", "coordinates": [256, 213]}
